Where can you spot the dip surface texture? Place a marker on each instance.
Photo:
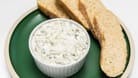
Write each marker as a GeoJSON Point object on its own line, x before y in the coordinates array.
{"type": "Point", "coordinates": [59, 42]}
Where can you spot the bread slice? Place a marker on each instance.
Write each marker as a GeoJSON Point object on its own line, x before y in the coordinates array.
{"type": "Point", "coordinates": [72, 8]}
{"type": "Point", "coordinates": [109, 24]}
{"type": "Point", "coordinates": [113, 45]}
{"type": "Point", "coordinates": [51, 8]}
{"type": "Point", "coordinates": [89, 8]}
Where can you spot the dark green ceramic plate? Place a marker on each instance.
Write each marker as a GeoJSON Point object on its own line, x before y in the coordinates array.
{"type": "Point", "coordinates": [21, 63]}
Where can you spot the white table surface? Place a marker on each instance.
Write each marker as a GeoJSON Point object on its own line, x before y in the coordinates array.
{"type": "Point", "coordinates": [11, 10]}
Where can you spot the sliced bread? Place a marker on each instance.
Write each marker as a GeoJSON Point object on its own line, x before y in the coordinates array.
{"type": "Point", "coordinates": [109, 24]}
{"type": "Point", "coordinates": [72, 8]}
{"type": "Point", "coordinates": [106, 28]}
{"type": "Point", "coordinates": [89, 8]}
{"type": "Point", "coordinates": [113, 45]}
{"type": "Point", "coordinates": [51, 8]}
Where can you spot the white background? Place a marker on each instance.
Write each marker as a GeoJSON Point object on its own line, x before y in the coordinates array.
{"type": "Point", "coordinates": [11, 10]}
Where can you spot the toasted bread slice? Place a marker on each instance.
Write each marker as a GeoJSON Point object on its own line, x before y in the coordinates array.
{"type": "Point", "coordinates": [113, 45]}
{"type": "Point", "coordinates": [109, 24]}
{"type": "Point", "coordinates": [72, 8]}
{"type": "Point", "coordinates": [51, 8]}
{"type": "Point", "coordinates": [89, 8]}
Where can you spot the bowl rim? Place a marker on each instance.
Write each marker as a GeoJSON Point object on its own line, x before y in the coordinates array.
{"type": "Point", "coordinates": [14, 74]}
{"type": "Point", "coordinates": [38, 58]}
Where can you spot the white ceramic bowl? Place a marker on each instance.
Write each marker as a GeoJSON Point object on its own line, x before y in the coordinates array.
{"type": "Point", "coordinates": [59, 71]}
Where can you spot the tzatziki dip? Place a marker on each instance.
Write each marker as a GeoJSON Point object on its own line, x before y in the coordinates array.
{"type": "Point", "coordinates": [59, 42]}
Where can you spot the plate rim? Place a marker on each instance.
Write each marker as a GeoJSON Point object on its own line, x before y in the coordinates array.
{"type": "Point", "coordinates": [14, 74]}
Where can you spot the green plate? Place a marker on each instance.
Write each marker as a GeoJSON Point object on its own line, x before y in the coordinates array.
{"type": "Point", "coordinates": [22, 65]}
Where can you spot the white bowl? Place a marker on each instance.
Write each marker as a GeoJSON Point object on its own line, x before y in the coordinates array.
{"type": "Point", "coordinates": [53, 70]}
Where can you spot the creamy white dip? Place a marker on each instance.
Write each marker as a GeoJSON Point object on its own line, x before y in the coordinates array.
{"type": "Point", "coordinates": [59, 42]}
